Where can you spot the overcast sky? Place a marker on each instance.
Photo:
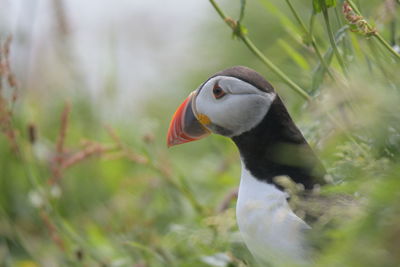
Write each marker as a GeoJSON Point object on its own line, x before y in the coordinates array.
{"type": "Point", "coordinates": [143, 42]}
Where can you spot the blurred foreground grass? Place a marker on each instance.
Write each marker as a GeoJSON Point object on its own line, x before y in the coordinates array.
{"type": "Point", "coordinates": [81, 190]}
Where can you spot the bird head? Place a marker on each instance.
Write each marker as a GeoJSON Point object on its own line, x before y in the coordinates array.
{"type": "Point", "coordinates": [229, 103]}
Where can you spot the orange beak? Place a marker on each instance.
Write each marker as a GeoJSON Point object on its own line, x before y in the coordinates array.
{"type": "Point", "coordinates": [184, 126]}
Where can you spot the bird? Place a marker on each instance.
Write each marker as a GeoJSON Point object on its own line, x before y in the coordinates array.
{"type": "Point", "coordinates": [240, 104]}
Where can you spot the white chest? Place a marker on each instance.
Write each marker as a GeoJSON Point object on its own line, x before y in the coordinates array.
{"type": "Point", "coordinates": [270, 229]}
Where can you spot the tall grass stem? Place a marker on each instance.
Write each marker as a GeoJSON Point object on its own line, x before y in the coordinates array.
{"type": "Point", "coordinates": [259, 54]}
{"type": "Point", "coordinates": [332, 38]}
{"type": "Point", "coordinates": [310, 37]}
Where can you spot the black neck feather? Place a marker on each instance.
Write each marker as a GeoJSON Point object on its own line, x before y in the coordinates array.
{"type": "Point", "coordinates": [276, 147]}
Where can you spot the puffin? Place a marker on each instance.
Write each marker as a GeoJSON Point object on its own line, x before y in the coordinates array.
{"type": "Point", "coordinates": [240, 104]}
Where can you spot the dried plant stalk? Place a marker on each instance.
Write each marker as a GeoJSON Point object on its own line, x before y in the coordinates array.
{"type": "Point", "coordinates": [7, 77]}
{"type": "Point", "coordinates": [52, 229]}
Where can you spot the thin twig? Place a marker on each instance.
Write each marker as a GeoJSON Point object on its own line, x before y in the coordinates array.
{"type": "Point", "coordinates": [6, 106]}
{"type": "Point", "coordinates": [59, 156]}
{"type": "Point", "coordinates": [236, 27]}
{"type": "Point", "coordinates": [87, 152]}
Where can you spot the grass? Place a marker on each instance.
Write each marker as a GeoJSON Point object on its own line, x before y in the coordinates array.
{"type": "Point", "coordinates": [78, 190]}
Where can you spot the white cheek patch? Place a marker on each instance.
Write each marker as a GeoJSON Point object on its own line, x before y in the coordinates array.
{"type": "Point", "coordinates": [241, 113]}
{"type": "Point", "coordinates": [240, 110]}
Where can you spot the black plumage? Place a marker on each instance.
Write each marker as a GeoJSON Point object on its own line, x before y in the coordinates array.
{"type": "Point", "coordinates": [275, 146]}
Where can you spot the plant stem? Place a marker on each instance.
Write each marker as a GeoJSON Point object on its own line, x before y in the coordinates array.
{"type": "Point", "coordinates": [311, 26]}
{"type": "Point", "coordinates": [274, 68]}
{"type": "Point", "coordinates": [297, 17]}
{"type": "Point", "coordinates": [219, 10]}
{"type": "Point", "coordinates": [234, 26]}
{"type": "Point", "coordinates": [375, 34]}
{"type": "Point", "coordinates": [354, 7]}
{"type": "Point", "coordinates": [388, 46]}
{"type": "Point", "coordinates": [331, 37]}
{"type": "Point", "coordinates": [310, 37]}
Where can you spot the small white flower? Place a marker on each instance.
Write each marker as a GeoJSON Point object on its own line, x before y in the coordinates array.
{"type": "Point", "coordinates": [36, 198]}
{"type": "Point", "coordinates": [55, 191]}
{"type": "Point", "coordinates": [217, 260]}
{"type": "Point", "coordinates": [396, 48]}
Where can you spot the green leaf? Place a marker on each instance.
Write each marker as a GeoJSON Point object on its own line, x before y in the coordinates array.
{"type": "Point", "coordinates": [290, 27]}
{"type": "Point", "coordinates": [318, 4]}
{"type": "Point", "coordinates": [319, 71]}
{"type": "Point", "coordinates": [295, 55]}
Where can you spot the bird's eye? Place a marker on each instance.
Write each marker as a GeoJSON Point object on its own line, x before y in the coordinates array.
{"type": "Point", "coordinates": [218, 92]}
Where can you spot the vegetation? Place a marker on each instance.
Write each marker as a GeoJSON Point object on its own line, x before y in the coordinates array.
{"type": "Point", "coordinates": [81, 189]}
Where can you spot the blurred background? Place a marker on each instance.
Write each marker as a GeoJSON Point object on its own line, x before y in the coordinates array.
{"type": "Point", "coordinates": [87, 92]}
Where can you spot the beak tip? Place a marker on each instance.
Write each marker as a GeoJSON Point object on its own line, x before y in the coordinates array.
{"type": "Point", "coordinates": [184, 126]}
{"type": "Point", "coordinates": [173, 142]}
{"type": "Point", "coordinates": [169, 142]}
{"type": "Point", "coordinates": [172, 139]}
